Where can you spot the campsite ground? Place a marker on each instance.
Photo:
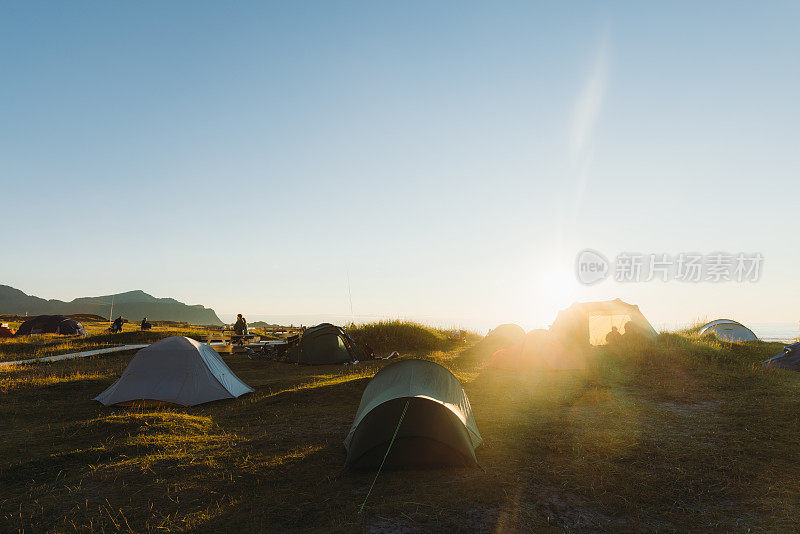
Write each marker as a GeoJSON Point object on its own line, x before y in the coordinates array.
{"type": "Point", "coordinates": [42, 345]}
{"type": "Point", "coordinates": [686, 434]}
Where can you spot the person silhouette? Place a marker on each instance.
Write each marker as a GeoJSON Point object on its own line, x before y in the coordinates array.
{"type": "Point", "coordinates": [240, 328]}
{"type": "Point", "coordinates": [613, 337]}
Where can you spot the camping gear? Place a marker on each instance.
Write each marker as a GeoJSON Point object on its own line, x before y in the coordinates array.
{"type": "Point", "coordinates": [226, 341]}
{"type": "Point", "coordinates": [728, 330]}
{"type": "Point", "coordinates": [588, 323]}
{"type": "Point", "coordinates": [176, 370]}
{"type": "Point", "coordinates": [438, 428]}
{"type": "Point", "coordinates": [789, 358]}
{"type": "Point", "coordinates": [5, 331]}
{"type": "Point", "coordinates": [327, 344]}
{"type": "Point", "coordinates": [51, 324]}
{"type": "Point", "coordinates": [539, 350]}
{"type": "Point", "coordinates": [274, 350]}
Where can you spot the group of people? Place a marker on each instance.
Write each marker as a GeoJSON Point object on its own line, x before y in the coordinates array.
{"type": "Point", "coordinates": [239, 327]}
{"type": "Point", "coordinates": [631, 333]}
{"type": "Point", "coordinates": [116, 326]}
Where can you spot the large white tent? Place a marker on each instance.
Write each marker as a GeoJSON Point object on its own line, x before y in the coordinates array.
{"type": "Point", "coordinates": [728, 330]}
{"type": "Point", "coordinates": [177, 370]}
{"type": "Point", "coordinates": [589, 323]}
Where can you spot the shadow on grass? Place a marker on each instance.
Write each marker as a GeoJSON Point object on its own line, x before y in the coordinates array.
{"type": "Point", "coordinates": [188, 466]}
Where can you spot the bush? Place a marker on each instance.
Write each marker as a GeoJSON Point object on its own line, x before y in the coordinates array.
{"type": "Point", "coordinates": [406, 336]}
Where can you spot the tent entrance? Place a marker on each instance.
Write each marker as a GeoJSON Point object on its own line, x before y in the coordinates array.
{"type": "Point", "coordinates": [430, 436]}
{"type": "Point", "coordinates": [601, 325]}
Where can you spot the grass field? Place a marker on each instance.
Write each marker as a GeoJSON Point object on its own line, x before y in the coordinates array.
{"type": "Point", "coordinates": [687, 434]}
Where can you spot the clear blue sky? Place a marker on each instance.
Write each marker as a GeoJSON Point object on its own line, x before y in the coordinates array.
{"type": "Point", "coordinates": [451, 158]}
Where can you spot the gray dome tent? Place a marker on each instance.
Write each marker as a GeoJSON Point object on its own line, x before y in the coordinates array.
{"type": "Point", "coordinates": [51, 324]}
{"type": "Point", "coordinates": [175, 370]}
{"type": "Point", "coordinates": [728, 330]}
{"type": "Point", "coordinates": [438, 428]}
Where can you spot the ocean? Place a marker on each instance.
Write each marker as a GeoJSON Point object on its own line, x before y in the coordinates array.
{"type": "Point", "coordinates": [785, 332]}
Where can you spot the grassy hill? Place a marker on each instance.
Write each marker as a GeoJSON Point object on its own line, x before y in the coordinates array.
{"type": "Point", "coordinates": [405, 336]}
{"type": "Point", "coordinates": [687, 434]}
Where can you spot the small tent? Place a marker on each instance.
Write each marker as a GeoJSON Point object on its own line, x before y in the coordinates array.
{"type": "Point", "coordinates": [539, 350]}
{"type": "Point", "coordinates": [327, 344]}
{"type": "Point", "coordinates": [5, 331]}
{"type": "Point", "coordinates": [438, 428]}
{"type": "Point", "coordinates": [789, 358]}
{"type": "Point", "coordinates": [504, 336]}
{"type": "Point", "coordinates": [176, 370]}
{"type": "Point", "coordinates": [728, 330]}
{"type": "Point", "coordinates": [589, 323]}
{"type": "Point", "coordinates": [51, 324]}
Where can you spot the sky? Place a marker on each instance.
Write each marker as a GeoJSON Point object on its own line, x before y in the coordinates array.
{"type": "Point", "coordinates": [437, 161]}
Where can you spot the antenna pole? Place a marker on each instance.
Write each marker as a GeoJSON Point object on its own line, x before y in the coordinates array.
{"type": "Point", "coordinates": [350, 294]}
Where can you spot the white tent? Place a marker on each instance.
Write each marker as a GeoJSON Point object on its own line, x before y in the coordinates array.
{"type": "Point", "coordinates": [178, 370]}
{"type": "Point", "coordinates": [728, 330]}
{"type": "Point", "coordinates": [588, 323]}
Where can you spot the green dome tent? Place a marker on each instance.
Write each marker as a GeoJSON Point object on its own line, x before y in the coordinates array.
{"type": "Point", "coordinates": [438, 428]}
{"type": "Point", "coordinates": [327, 344]}
{"type": "Point", "coordinates": [51, 324]}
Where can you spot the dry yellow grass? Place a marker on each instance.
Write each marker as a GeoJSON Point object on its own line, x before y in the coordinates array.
{"type": "Point", "coordinates": [686, 434]}
{"type": "Point", "coordinates": [42, 345]}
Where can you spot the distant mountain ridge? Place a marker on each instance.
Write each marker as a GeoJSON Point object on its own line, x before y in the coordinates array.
{"type": "Point", "coordinates": [132, 305]}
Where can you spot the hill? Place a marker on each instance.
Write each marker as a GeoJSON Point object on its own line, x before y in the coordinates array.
{"type": "Point", "coordinates": [263, 324]}
{"type": "Point", "coordinates": [132, 305]}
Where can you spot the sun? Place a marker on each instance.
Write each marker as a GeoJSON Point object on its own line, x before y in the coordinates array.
{"type": "Point", "coordinates": [554, 288]}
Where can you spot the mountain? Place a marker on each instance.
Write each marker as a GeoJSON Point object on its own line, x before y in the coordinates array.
{"type": "Point", "coordinates": [132, 305]}
{"type": "Point", "coordinates": [263, 324]}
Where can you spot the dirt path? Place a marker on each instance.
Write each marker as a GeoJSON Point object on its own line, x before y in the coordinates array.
{"type": "Point", "coordinates": [73, 355]}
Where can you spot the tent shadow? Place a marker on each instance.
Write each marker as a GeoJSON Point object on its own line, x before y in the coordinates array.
{"type": "Point", "coordinates": [296, 451]}
{"type": "Point", "coordinates": [290, 443]}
